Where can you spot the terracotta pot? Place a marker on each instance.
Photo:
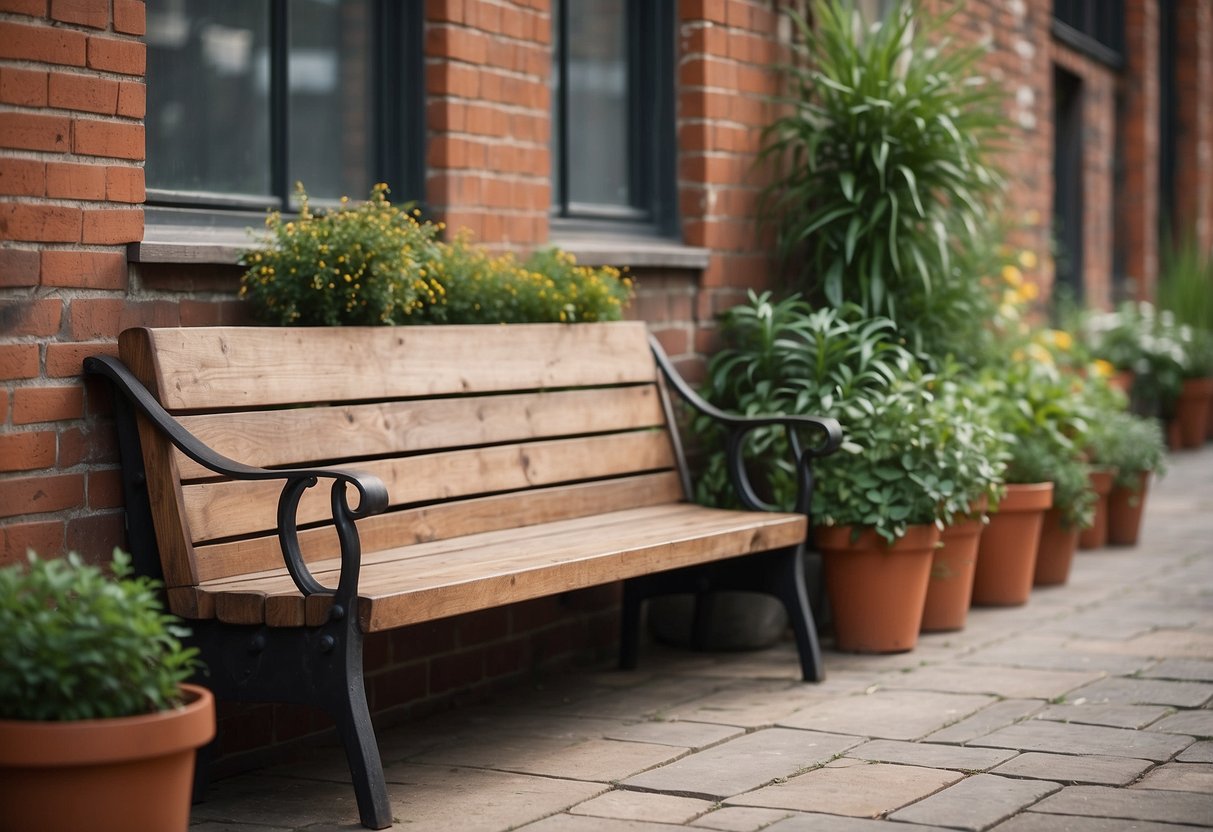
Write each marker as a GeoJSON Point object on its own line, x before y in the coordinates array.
{"type": "Point", "coordinates": [952, 567]}
{"type": "Point", "coordinates": [1175, 440]}
{"type": "Point", "coordinates": [876, 589]}
{"type": "Point", "coordinates": [1055, 555]}
{"type": "Point", "coordinates": [1209, 428]}
{"type": "Point", "coordinates": [104, 775]}
{"type": "Point", "coordinates": [1125, 508]}
{"type": "Point", "coordinates": [1192, 411]}
{"type": "Point", "coordinates": [1006, 557]}
{"type": "Point", "coordinates": [1096, 536]}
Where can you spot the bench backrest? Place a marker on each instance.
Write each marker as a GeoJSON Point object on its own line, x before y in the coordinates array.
{"type": "Point", "coordinates": [472, 428]}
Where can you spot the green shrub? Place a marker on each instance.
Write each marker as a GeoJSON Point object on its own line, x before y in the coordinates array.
{"type": "Point", "coordinates": [1132, 444]}
{"type": "Point", "coordinates": [376, 263]}
{"type": "Point", "coordinates": [75, 644]}
{"type": "Point", "coordinates": [355, 265]}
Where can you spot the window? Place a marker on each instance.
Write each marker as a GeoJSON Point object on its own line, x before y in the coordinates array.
{"type": "Point", "coordinates": [1096, 27]}
{"type": "Point", "coordinates": [246, 97]}
{"type": "Point", "coordinates": [612, 112]}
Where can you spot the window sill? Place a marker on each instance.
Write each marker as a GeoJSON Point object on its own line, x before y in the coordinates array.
{"type": "Point", "coordinates": [633, 251]}
{"type": "Point", "coordinates": [190, 244]}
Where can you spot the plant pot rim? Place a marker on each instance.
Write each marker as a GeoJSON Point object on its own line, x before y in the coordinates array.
{"type": "Point", "coordinates": [94, 741]}
{"type": "Point", "coordinates": [838, 538]}
{"type": "Point", "coordinates": [1026, 496]}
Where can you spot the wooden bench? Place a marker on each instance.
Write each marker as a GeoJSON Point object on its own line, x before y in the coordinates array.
{"type": "Point", "coordinates": [470, 467]}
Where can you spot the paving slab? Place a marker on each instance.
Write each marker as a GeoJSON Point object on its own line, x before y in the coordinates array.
{"type": "Point", "coordinates": [278, 801]}
{"type": "Point", "coordinates": [932, 755]}
{"type": "Point", "coordinates": [692, 735]}
{"type": "Point", "coordinates": [1171, 643]}
{"type": "Point", "coordinates": [582, 823]}
{"type": "Point", "coordinates": [1031, 821]}
{"type": "Point", "coordinates": [813, 822]}
{"type": "Point", "coordinates": [1196, 723]}
{"type": "Point", "coordinates": [1070, 769]}
{"type": "Point", "coordinates": [1199, 752]}
{"type": "Point", "coordinates": [1055, 653]}
{"type": "Point", "coordinates": [739, 819]}
{"type": "Point", "coordinates": [755, 704]}
{"type": "Point", "coordinates": [1007, 682]}
{"type": "Point", "coordinates": [898, 715]}
{"type": "Point", "coordinates": [215, 826]}
{"type": "Point", "coordinates": [596, 759]}
{"type": "Point", "coordinates": [1066, 738]}
{"type": "Point", "coordinates": [1146, 692]}
{"type": "Point", "coordinates": [743, 764]}
{"type": "Point", "coordinates": [1180, 777]}
{"type": "Point", "coordinates": [659, 808]}
{"type": "Point", "coordinates": [987, 720]}
{"type": "Point", "coordinates": [851, 787]}
{"type": "Point", "coordinates": [1131, 804]}
{"type": "Point", "coordinates": [976, 803]}
{"type": "Point", "coordinates": [1116, 716]}
{"type": "Point", "coordinates": [1189, 670]}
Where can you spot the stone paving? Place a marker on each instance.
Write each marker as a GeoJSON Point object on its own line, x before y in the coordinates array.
{"type": "Point", "coordinates": [1089, 709]}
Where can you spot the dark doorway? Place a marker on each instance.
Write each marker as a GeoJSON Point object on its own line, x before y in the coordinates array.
{"type": "Point", "coordinates": [1067, 182]}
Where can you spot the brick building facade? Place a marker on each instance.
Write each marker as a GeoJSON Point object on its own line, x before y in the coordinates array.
{"type": "Point", "coordinates": [86, 250]}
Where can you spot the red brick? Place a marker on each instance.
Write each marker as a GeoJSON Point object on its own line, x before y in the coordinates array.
{"type": "Point", "coordinates": [130, 17]}
{"type": "Point", "coordinates": [91, 13]}
{"type": "Point", "coordinates": [451, 10]}
{"type": "Point", "coordinates": [70, 181]}
{"type": "Point", "coordinates": [22, 177]}
{"type": "Point", "coordinates": [105, 489]}
{"type": "Point", "coordinates": [24, 87]}
{"type": "Point", "coordinates": [39, 223]}
{"type": "Point", "coordinates": [457, 44]}
{"type": "Point", "coordinates": [398, 686]}
{"type": "Point", "coordinates": [96, 318]}
{"type": "Point", "coordinates": [35, 8]}
{"type": "Point", "coordinates": [84, 269]}
{"type": "Point", "coordinates": [18, 361]}
{"type": "Point", "coordinates": [132, 99]}
{"type": "Point", "coordinates": [67, 360]}
{"type": "Point", "coordinates": [86, 93]}
{"type": "Point", "coordinates": [44, 538]}
{"type": "Point", "coordinates": [95, 536]}
{"type": "Point", "coordinates": [27, 451]}
{"type": "Point", "coordinates": [31, 317]}
{"type": "Point", "coordinates": [47, 404]}
{"type": "Point", "coordinates": [27, 131]}
{"type": "Point", "coordinates": [126, 57]}
{"type": "Point", "coordinates": [115, 140]}
{"type": "Point", "coordinates": [112, 226]}
{"type": "Point", "coordinates": [31, 495]}
{"type": "Point", "coordinates": [91, 443]}
{"type": "Point", "coordinates": [18, 268]}
{"type": "Point", "coordinates": [461, 670]}
{"type": "Point", "coordinates": [42, 43]}
{"type": "Point", "coordinates": [124, 184]}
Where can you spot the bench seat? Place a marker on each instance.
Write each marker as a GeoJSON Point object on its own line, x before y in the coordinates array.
{"type": "Point", "coordinates": [425, 581]}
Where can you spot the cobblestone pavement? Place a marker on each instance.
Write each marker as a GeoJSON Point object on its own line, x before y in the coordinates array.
{"type": "Point", "coordinates": [1090, 709]}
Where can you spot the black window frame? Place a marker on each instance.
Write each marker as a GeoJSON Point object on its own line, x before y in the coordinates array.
{"type": "Point", "coordinates": [651, 148]}
{"type": "Point", "coordinates": [398, 107]}
{"type": "Point", "coordinates": [1093, 27]}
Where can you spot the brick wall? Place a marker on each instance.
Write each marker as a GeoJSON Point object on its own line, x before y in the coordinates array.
{"type": "Point", "coordinates": [1194, 131]}
{"type": "Point", "coordinates": [1137, 229]}
{"type": "Point", "coordinates": [71, 185]}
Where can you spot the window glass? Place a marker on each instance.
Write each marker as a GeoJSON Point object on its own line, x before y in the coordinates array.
{"type": "Point", "coordinates": [330, 101]}
{"type": "Point", "coordinates": [597, 79]}
{"type": "Point", "coordinates": [208, 114]}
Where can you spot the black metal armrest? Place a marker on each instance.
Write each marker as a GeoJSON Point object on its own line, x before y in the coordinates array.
{"type": "Point", "coordinates": [739, 427]}
{"type": "Point", "coordinates": [372, 493]}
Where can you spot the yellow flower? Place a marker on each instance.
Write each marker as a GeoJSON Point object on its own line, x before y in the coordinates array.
{"type": "Point", "coordinates": [1061, 339]}
{"type": "Point", "coordinates": [1012, 275]}
{"type": "Point", "coordinates": [1027, 259]}
{"type": "Point", "coordinates": [1102, 368]}
{"type": "Point", "coordinates": [1039, 354]}
{"type": "Point", "coordinates": [1029, 291]}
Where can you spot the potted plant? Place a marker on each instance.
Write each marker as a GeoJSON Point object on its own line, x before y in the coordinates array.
{"type": "Point", "coordinates": [98, 730]}
{"type": "Point", "coordinates": [973, 455]}
{"type": "Point", "coordinates": [1037, 406]}
{"type": "Point", "coordinates": [1135, 446]}
{"type": "Point", "coordinates": [1185, 289]}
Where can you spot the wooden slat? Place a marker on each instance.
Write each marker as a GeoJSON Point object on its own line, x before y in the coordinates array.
{"type": "Point", "coordinates": [428, 581]}
{"type": "Point", "coordinates": [445, 520]}
{"type": "Point", "coordinates": [163, 479]}
{"type": "Point", "coordinates": [248, 367]}
{"type": "Point", "coordinates": [303, 436]}
{"type": "Point", "coordinates": [224, 509]}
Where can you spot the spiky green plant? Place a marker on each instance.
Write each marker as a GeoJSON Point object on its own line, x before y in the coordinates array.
{"type": "Point", "coordinates": [881, 160]}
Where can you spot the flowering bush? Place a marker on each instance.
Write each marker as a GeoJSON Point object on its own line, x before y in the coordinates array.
{"type": "Point", "coordinates": [377, 263]}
